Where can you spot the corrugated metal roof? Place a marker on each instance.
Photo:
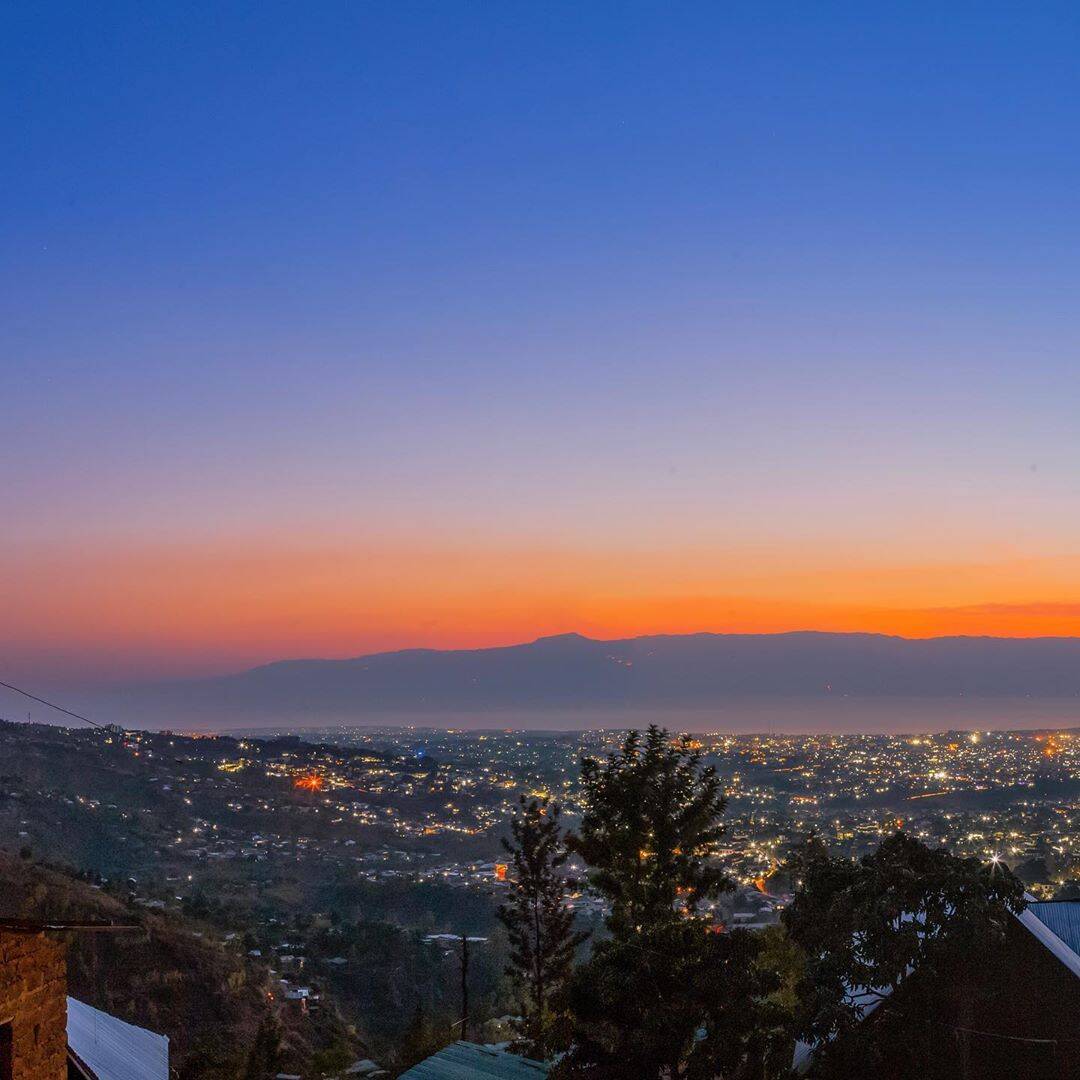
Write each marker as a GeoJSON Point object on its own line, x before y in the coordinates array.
{"type": "Point", "coordinates": [470, 1061]}
{"type": "Point", "coordinates": [113, 1049]}
{"type": "Point", "coordinates": [1062, 918]}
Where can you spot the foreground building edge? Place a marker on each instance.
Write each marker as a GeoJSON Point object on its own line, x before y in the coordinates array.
{"type": "Point", "coordinates": [47, 1035]}
{"type": "Point", "coordinates": [1060, 951]}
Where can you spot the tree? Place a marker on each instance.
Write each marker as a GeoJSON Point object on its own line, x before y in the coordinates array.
{"type": "Point", "coordinates": [680, 1002]}
{"type": "Point", "coordinates": [420, 1040]}
{"type": "Point", "coordinates": [665, 995]}
{"type": "Point", "coordinates": [537, 920]}
{"type": "Point", "coordinates": [265, 1049]}
{"type": "Point", "coordinates": [1033, 872]}
{"type": "Point", "coordinates": [904, 915]}
{"type": "Point", "coordinates": [1069, 891]}
{"type": "Point", "coordinates": [650, 829]}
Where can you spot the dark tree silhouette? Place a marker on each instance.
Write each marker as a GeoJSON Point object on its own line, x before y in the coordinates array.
{"type": "Point", "coordinates": [650, 829]}
{"type": "Point", "coordinates": [265, 1050]}
{"type": "Point", "coordinates": [420, 1040]}
{"type": "Point", "coordinates": [677, 1002]}
{"type": "Point", "coordinates": [664, 996]}
{"type": "Point", "coordinates": [904, 915]}
{"type": "Point", "coordinates": [538, 922]}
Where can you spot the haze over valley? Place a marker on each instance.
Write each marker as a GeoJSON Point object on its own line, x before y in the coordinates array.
{"type": "Point", "coordinates": [801, 681]}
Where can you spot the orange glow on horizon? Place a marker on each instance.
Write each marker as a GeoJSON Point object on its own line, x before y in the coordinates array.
{"type": "Point", "coordinates": [158, 612]}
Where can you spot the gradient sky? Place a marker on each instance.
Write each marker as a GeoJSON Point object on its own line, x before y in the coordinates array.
{"type": "Point", "coordinates": [339, 327]}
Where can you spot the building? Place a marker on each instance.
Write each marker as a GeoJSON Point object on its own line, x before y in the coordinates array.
{"type": "Point", "coordinates": [1023, 1022]}
{"type": "Point", "coordinates": [101, 1047]}
{"type": "Point", "coordinates": [33, 1007]}
{"type": "Point", "coordinates": [471, 1061]}
{"type": "Point", "coordinates": [46, 1035]}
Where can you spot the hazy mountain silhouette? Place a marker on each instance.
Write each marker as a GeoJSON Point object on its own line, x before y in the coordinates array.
{"type": "Point", "coordinates": [667, 672]}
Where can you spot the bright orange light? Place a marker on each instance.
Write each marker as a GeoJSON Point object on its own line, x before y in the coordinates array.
{"type": "Point", "coordinates": [500, 871]}
{"type": "Point", "coordinates": [310, 782]}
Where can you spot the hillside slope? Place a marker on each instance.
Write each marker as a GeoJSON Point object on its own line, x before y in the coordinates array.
{"type": "Point", "coordinates": [169, 975]}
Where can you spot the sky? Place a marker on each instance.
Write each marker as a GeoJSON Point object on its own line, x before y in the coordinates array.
{"type": "Point", "coordinates": [334, 328]}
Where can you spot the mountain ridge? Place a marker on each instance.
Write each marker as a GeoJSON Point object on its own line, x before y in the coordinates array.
{"type": "Point", "coordinates": [665, 673]}
{"type": "Point", "coordinates": [574, 636]}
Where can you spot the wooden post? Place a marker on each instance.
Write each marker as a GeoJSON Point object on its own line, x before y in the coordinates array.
{"type": "Point", "coordinates": [464, 988]}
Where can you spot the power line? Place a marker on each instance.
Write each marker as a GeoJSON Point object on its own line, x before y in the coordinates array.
{"type": "Point", "coordinates": [53, 705]}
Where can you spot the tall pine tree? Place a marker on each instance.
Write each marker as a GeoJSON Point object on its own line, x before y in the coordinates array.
{"type": "Point", "coordinates": [651, 825]}
{"type": "Point", "coordinates": [664, 996]}
{"type": "Point", "coordinates": [537, 919]}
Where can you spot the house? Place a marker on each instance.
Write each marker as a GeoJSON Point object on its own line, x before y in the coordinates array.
{"type": "Point", "coordinates": [46, 1035]}
{"type": "Point", "coordinates": [471, 1061]}
{"type": "Point", "coordinates": [1024, 1021]}
{"type": "Point", "coordinates": [33, 1007]}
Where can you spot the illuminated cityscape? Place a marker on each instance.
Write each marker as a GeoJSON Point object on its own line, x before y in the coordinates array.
{"type": "Point", "coordinates": [408, 803]}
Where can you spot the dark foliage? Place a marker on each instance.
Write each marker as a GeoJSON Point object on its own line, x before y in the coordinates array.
{"type": "Point", "coordinates": [665, 996]}
{"type": "Point", "coordinates": [677, 1001]}
{"type": "Point", "coordinates": [651, 824]}
{"type": "Point", "coordinates": [265, 1049]}
{"type": "Point", "coordinates": [538, 922]}
{"type": "Point", "coordinates": [904, 916]}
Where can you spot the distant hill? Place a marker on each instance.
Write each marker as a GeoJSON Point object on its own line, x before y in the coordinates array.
{"type": "Point", "coordinates": [661, 673]}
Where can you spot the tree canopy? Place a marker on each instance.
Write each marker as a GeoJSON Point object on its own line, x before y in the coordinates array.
{"type": "Point", "coordinates": [904, 915]}
{"type": "Point", "coordinates": [539, 924]}
{"type": "Point", "coordinates": [650, 829]}
{"type": "Point", "coordinates": [665, 995]}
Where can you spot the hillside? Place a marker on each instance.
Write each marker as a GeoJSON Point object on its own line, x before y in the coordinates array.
{"type": "Point", "coordinates": [169, 975]}
{"type": "Point", "coordinates": [245, 886]}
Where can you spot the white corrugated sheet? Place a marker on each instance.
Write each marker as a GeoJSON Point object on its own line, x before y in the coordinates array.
{"type": "Point", "coordinates": [112, 1049]}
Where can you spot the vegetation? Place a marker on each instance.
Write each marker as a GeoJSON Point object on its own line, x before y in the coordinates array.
{"type": "Point", "coordinates": [674, 1000]}
{"type": "Point", "coordinates": [650, 828]}
{"type": "Point", "coordinates": [663, 996]}
{"type": "Point", "coordinates": [539, 923]}
{"type": "Point", "coordinates": [167, 976]}
{"type": "Point", "coordinates": [904, 917]}
{"type": "Point", "coordinates": [666, 997]}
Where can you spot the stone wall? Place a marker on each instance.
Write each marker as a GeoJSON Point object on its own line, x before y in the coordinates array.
{"type": "Point", "coordinates": [33, 995]}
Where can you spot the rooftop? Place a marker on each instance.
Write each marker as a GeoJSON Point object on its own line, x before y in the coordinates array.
{"type": "Point", "coordinates": [111, 1049]}
{"type": "Point", "coordinates": [1062, 919]}
{"type": "Point", "coordinates": [470, 1061]}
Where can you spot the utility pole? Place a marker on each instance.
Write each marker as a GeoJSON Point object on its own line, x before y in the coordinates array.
{"type": "Point", "coordinates": [464, 988]}
{"type": "Point", "coordinates": [464, 941]}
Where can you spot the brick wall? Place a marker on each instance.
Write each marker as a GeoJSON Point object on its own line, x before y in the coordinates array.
{"type": "Point", "coordinates": [33, 994]}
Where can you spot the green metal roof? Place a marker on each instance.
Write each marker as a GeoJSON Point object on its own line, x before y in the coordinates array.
{"type": "Point", "coordinates": [470, 1061]}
